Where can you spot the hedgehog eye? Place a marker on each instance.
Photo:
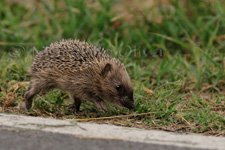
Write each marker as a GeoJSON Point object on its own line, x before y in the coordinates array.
{"type": "Point", "coordinates": [119, 88]}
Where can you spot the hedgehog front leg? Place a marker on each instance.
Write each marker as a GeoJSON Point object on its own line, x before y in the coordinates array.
{"type": "Point", "coordinates": [76, 105]}
{"type": "Point", "coordinates": [99, 103]}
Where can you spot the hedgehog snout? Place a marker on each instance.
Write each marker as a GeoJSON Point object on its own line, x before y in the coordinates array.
{"type": "Point", "coordinates": [128, 102]}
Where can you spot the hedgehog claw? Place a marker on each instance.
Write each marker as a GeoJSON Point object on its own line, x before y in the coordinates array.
{"type": "Point", "coordinates": [101, 105]}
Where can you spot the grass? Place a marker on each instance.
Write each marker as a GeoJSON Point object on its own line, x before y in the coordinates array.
{"type": "Point", "coordinates": [176, 52]}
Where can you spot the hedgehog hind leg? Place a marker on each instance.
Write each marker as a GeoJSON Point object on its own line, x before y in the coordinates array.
{"type": "Point", "coordinates": [35, 87]}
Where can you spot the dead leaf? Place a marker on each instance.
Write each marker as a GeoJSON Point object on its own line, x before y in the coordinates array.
{"type": "Point", "coordinates": [149, 92]}
{"type": "Point", "coordinates": [10, 98]}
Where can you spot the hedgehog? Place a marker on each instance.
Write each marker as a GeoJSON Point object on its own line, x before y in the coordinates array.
{"type": "Point", "coordinates": [83, 71]}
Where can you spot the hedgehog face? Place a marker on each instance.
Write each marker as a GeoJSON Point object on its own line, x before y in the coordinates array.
{"type": "Point", "coordinates": [124, 96]}
{"type": "Point", "coordinates": [116, 86]}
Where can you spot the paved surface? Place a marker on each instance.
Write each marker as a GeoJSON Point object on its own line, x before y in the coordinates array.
{"type": "Point", "coordinates": [38, 140]}
{"type": "Point", "coordinates": [22, 132]}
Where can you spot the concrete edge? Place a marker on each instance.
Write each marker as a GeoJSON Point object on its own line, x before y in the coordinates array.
{"type": "Point", "coordinates": [111, 132]}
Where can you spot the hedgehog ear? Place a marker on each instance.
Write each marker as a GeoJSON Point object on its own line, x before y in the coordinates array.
{"type": "Point", "coordinates": [106, 70]}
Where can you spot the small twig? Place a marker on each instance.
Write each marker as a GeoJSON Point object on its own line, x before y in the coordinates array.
{"type": "Point", "coordinates": [221, 37]}
{"type": "Point", "coordinates": [183, 119]}
{"type": "Point", "coordinates": [133, 115]}
{"type": "Point", "coordinates": [113, 117]}
{"type": "Point", "coordinates": [215, 108]}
